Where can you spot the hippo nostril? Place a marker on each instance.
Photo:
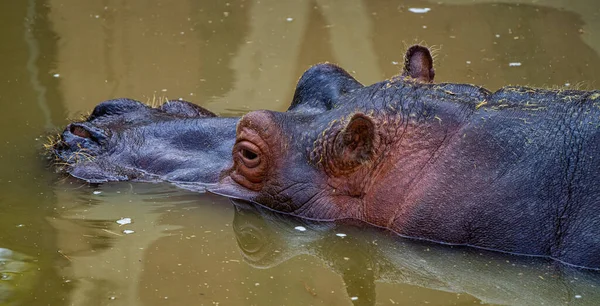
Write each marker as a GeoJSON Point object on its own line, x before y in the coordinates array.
{"type": "Point", "coordinates": [80, 131]}
{"type": "Point", "coordinates": [77, 133]}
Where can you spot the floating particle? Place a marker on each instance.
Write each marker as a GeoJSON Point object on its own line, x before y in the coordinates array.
{"type": "Point", "coordinates": [56, 75]}
{"type": "Point", "coordinates": [97, 192]}
{"type": "Point", "coordinates": [124, 221]}
{"type": "Point", "coordinates": [419, 10]}
{"type": "Point", "coordinates": [300, 228]}
{"type": "Point", "coordinates": [127, 232]}
{"type": "Point", "coordinates": [341, 235]}
{"type": "Point", "coordinates": [514, 64]}
{"type": "Point", "coordinates": [289, 19]}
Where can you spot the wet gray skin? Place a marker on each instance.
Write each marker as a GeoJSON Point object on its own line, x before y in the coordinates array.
{"type": "Point", "coordinates": [268, 239]}
{"type": "Point", "coordinates": [124, 139]}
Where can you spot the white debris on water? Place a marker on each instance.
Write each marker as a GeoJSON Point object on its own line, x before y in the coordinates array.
{"type": "Point", "coordinates": [300, 228]}
{"type": "Point", "coordinates": [577, 296]}
{"type": "Point", "coordinates": [514, 64]}
{"type": "Point", "coordinates": [354, 298]}
{"type": "Point", "coordinates": [289, 19]}
{"type": "Point", "coordinates": [56, 75]}
{"type": "Point", "coordinates": [341, 235]}
{"type": "Point", "coordinates": [468, 62]}
{"type": "Point", "coordinates": [97, 192]}
{"type": "Point", "coordinates": [124, 221]}
{"type": "Point", "coordinates": [419, 10]}
{"type": "Point", "coordinates": [127, 232]}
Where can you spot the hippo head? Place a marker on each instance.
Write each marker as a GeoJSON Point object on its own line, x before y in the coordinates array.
{"type": "Point", "coordinates": [177, 142]}
{"type": "Point", "coordinates": [302, 162]}
{"type": "Point", "coordinates": [124, 139]}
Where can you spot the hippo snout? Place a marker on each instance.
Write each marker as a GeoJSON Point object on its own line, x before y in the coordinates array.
{"type": "Point", "coordinates": [81, 141]}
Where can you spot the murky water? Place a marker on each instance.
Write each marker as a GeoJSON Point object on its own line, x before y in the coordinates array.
{"type": "Point", "coordinates": [63, 242]}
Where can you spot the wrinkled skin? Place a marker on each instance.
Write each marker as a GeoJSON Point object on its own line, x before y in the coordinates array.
{"type": "Point", "coordinates": [516, 170]}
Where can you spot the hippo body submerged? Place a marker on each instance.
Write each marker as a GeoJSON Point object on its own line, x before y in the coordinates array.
{"type": "Point", "coordinates": [516, 170]}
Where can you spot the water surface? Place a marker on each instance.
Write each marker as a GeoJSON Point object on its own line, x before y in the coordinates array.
{"type": "Point", "coordinates": [61, 244]}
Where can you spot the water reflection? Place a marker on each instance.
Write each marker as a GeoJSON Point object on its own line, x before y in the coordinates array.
{"type": "Point", "coordinates": [237, 56]}
{"type": "Point", "coordinates": [364, 257]}
{"type": "Point", "coordinates": [175, 247]}
{"type": "Point", "coordinates": [18, 275]}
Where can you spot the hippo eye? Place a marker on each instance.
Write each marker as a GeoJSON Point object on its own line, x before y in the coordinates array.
{"type": "Point", "coordinates": [250, 162]}
{"type": "Point", "coordinates": [248, 154]}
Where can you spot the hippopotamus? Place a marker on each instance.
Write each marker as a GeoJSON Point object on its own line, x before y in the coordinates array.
{"type": "Point", "coordinates": [515, 170]}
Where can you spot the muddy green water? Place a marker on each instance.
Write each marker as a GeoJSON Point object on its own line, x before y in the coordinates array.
{"type": "Point", "coordinates": [61, 244]}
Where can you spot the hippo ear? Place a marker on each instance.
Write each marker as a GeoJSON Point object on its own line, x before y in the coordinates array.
{"type": "Point", "coordinates": [418, 64]}
{"type": "Point", "coordinates": [355, 144]}
{"type": "Point", "coordinates": [320, 87]}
